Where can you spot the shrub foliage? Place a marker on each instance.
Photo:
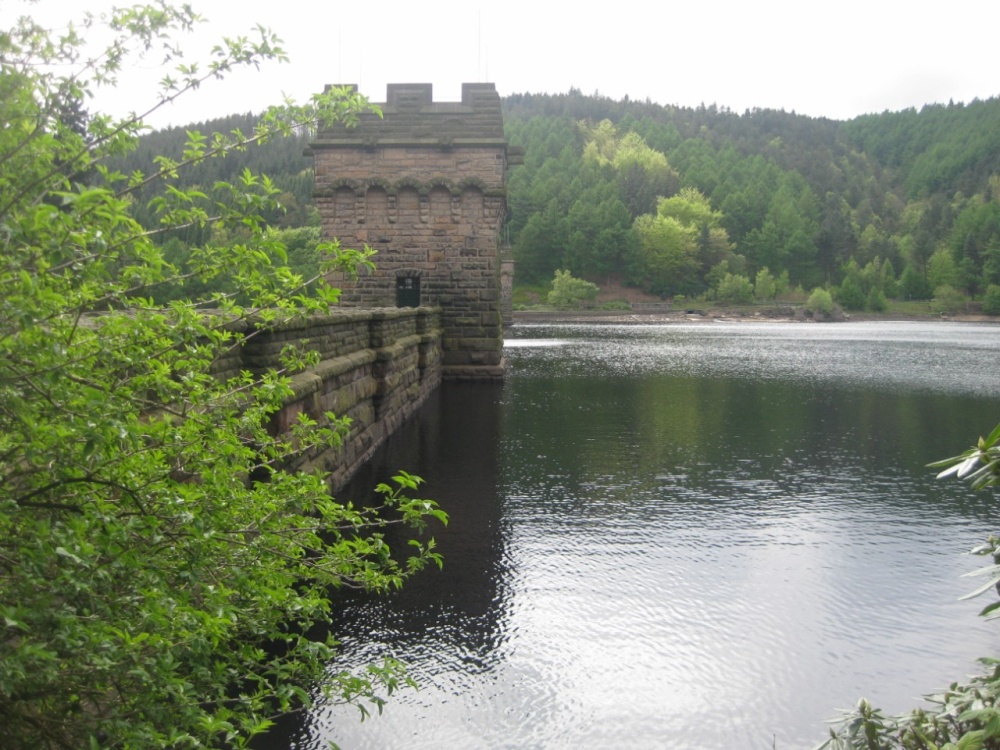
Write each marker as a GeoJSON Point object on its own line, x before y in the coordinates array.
{"type": "Point", "coordinates": [151, 594]}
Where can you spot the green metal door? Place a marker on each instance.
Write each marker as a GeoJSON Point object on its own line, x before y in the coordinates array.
{"type": "Point", "coordinates": [407, 291]}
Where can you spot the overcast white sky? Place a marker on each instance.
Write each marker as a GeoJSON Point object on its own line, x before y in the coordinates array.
{"type": "Point", "coordinates": [821, 59]}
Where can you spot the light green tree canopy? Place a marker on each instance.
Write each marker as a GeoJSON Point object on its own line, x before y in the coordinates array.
{"type": "Point", "coordinates": [633, 150]}
{"type": "Point", "coordinates": [668, 252]}
{"type": "Point", "coordinates": [683, 237]}
{"type": "Point", "coordinates": [629, 151]}
{"type": "Point", "coordinates": [942, 269]}
{"type": "Point", "coordinates": [151, 594]}
{"type": "Point", "coordinates": [601, 141]}
{"type": "Point", "coordinates": [691, 208]}
{"type": "Point", "coordinates": [568, 291]}
{"type": "Point", "coordinates": [765, 287]}
{"type": "Point", "coordinates": [735, 288]}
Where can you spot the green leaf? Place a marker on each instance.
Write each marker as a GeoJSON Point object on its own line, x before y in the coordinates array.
{"type": "Point", "coordinates": [63, 552]}
{"type": "Point", "coordinates": [991, 584]}
{"type": "Point", "coordinates": [990, 608]}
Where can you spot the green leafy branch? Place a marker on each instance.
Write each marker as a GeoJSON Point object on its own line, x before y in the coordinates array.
{"type": "Point", "coordinates": [967, 715]}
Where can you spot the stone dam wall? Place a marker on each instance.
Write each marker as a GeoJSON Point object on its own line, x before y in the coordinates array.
{"type": "Point", "coordinates": [377, 366]}
{"type": "Point", "coordinates": [424, 185]}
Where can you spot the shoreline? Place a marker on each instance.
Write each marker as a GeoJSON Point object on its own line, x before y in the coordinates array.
{"type": "Point", "coordinates": [771, 315]}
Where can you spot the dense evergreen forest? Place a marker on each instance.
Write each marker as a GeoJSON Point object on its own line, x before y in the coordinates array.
{"type": "Point", "coordinates": [705, 201]}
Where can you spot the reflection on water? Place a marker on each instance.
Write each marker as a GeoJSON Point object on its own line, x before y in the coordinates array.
{"type": "Point", "coordinates": [683, 536]}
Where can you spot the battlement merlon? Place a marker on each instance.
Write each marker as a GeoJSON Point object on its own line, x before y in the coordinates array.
{"type": "Point", "coordinates": [411, 118]}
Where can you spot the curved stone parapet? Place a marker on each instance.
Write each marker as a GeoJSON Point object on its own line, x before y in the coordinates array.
{"type": "Point", "coordinates": [376, 367]}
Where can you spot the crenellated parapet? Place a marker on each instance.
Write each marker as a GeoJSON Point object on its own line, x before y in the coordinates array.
{"type": "Point", "coordinates": [425, 186]}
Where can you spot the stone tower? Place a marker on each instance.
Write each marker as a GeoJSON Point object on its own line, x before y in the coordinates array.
{"type": "Point", "coordinates": [424, 186]}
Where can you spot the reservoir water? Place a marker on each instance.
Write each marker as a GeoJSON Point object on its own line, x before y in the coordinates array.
{"type": "Point", "coordinates": [683, 536]}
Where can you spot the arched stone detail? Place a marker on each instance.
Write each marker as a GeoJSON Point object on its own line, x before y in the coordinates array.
{"type": "Point", "coordinates": [344, 182]}
{"type": "Point", "coordinates": [440, 198]}
{"type": "Point", "coordinates": [408, 204]}
{"type": "Point", "coordinates": [445, 183]}
{"type": "Point", "coordinates": [475, 182]}
{"type": "Point", "coordinates": [473, 201]}
{"type": "Point", "coordinates": [376, 206]}
{"type": "Point", "coordinates": [407, 183]}
{"type": "Point", "coordinates": [345, 201]}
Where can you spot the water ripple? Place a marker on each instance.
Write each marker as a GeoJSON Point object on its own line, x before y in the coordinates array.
{"type": "Point", "coordinates": [689, 536]}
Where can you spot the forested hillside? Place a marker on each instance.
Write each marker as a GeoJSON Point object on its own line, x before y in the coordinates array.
{"type": "Point", "coordinates": [898, 204]}
{"type": "Point", "coordinates": [709, 202]}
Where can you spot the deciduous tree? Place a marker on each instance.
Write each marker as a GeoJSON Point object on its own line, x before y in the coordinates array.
{"type": "Point", "coordinates": [668, 255]}
{"type": "Point", "coordinates": [568, 291]}
{"type": "Point", "coordinates": [765, 287]}
{"type": "Point", "coordinates": [151, 593]}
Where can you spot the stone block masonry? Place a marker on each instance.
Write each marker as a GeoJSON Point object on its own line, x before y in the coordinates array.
{"type": "Point", "coordinates": [377, 367]}
{"type": "Point", "coordinates": [424, 186]}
